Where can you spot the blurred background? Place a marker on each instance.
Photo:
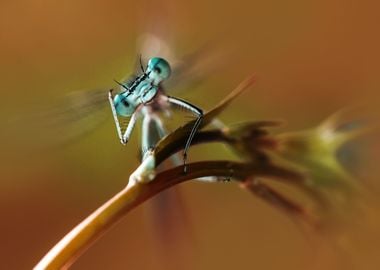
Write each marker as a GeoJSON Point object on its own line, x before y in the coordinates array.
{"type": "Point", "coordinates": [311, 59]}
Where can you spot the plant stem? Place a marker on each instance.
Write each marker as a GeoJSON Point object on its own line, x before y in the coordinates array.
{"type": "Point", "coordinates": [66, 251]}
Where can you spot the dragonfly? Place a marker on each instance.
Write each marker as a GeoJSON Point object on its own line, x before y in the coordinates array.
{"type": "Point", "coordinates": [142, 96]}
{"type": "Point", "coordinates": [145, 95]}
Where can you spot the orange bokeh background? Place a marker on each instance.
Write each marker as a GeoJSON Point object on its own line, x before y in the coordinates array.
{"type": "Point", "coordinates": [311, 59]}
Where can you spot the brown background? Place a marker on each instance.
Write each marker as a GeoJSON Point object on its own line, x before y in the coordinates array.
{"type": "Point", "coordinates": [311, 58]}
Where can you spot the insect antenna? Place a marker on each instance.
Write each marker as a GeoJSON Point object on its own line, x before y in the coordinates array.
{"type": "Point", "coordinates": [141, 64]}
{"type": "Point", "coordinates": [122, 85]}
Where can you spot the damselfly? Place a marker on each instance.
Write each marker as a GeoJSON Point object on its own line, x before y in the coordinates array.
{"type": "Point", "coordinates": [144, 95]}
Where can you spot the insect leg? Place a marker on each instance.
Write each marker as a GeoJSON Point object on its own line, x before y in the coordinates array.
{"type": "Point", "coordinates": [175, 158]}
{"type": "Point", "coordinates": [110, 98]}
{"type": "Point", "coordinates": [198, 112]}
{"type": "Point", "coordinates": [141, 64]}
{"type": "Point", "coordinates": [129, 129]}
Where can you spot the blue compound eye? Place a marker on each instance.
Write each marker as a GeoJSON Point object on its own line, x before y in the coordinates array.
{"type": "Point", "coordinates": [158, 69]}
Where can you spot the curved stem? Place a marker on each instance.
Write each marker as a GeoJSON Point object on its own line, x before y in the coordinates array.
{"type": "Point", "coordinates": [66, 251]}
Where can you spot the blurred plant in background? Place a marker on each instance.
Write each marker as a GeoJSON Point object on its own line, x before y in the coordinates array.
{"type": "Point", "coordinates": [312, 57]}
{"type": "Point", "coordinates": [306, 160]}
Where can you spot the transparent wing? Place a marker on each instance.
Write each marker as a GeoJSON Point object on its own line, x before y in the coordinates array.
{"type": "Point", "coordinates": [189, 68]}
{"type": "Point", "coordinates": [80, 113]}
{"type": "Point", "coordinates": [76, 114]}
{"type": "Point", "coordinates": [65, 119]}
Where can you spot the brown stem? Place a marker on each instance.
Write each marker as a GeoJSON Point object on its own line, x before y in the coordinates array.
{"type": "Point", "coordinates": [93, 227]}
